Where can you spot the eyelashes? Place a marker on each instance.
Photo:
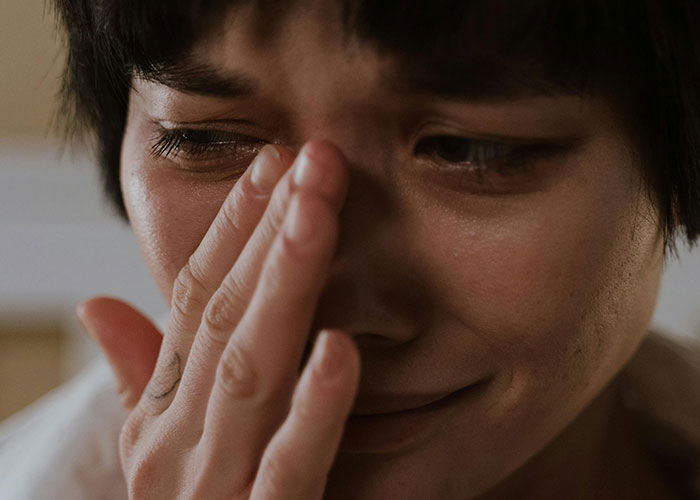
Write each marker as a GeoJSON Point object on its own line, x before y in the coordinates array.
{"type": "Point", "coordinates": [203, 144]}
{"type": "Point", "coordinates": [469, 155]}
{"type": "Point", "coordinates": [457, 159]}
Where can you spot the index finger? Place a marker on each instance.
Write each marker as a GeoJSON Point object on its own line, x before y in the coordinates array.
{"type": "Point", "coordinates": [208, 265]}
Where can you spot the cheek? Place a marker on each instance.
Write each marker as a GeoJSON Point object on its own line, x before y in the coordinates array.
{"type": "Point", "coordinates": [559, 286]}
{"type": "Point", "coordinates": [553, 280]}
{"type": "Point", "coordinates": [169, 215]}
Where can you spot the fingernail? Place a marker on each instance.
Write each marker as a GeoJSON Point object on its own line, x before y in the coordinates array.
{"type": "Point", "coordinates": [267, 170]}
{"type": "Point", "coordinates": [80, 313]}
{"type": "Point", "coordinates": [298, 227]}
{"type": "Point", "coordinates": [307, 174]}
{"type": "Point", "coordinates": [327, 358]}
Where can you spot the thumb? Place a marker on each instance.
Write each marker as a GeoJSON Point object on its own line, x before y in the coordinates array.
{"type": "Point", "coordinates": [128, 339]}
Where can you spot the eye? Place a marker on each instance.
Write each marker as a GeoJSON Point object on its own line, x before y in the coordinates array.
{"type": "Point", "coordinates": [469, 154]}
{"type": "Point", "coordinates": [489, 167]}
{"type": "Point", "coordinates": [203, 144]}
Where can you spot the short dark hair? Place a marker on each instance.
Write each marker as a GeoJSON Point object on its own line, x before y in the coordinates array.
{"type": "Point", "coordinates": [645, 54]}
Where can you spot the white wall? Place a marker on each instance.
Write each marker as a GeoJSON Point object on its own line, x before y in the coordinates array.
{"type": "Point", "coordinates": [60, 241]}
{"type": "Point", "coordinates": [60, 244]}
{"type": "Point", "coordinates": [678, 308]}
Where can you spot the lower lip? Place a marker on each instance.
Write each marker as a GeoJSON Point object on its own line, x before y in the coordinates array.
{"type": "Point", "coordinates": [391, 432]}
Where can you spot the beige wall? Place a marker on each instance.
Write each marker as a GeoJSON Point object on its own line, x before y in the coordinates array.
{"type": "Point", "coordinates": [31, 59]}
{"type": "Point", "coordinates": [32, 352]}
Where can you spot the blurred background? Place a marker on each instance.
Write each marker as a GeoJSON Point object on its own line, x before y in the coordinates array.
{"type": "Point", "coordinates": [60, 243]}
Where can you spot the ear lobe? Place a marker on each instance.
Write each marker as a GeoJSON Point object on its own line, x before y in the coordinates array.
{"type": "Point", "coordinates": [129, 340]}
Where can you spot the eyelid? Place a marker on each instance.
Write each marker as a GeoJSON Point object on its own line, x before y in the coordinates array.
{"type": "Point", "coordinates": [445, 125]}
{"type": "Point", "coordinates": [519, 143]}
{"type": "Point", "coordinates": [516, 170]}
{"type": "Point", "coordinates": [242, 127]}
{"type": "Point", "coordinates": [169, 143]}
{"type": "Point", "coordinates": [204, 124]}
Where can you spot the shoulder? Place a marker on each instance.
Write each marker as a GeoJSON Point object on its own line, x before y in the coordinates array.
{"type": "Point", "coordinates": [661, 387]}
{"type": "Point", "coordinates": [66, 444]}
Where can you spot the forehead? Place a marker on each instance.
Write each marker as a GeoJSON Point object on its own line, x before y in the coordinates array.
{"type": "Point", "coordinates": [306, 48]}
{"type": "Point", "coordinates": [472, 49]}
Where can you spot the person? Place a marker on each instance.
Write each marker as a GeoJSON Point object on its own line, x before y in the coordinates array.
{"type": "Point", "coordinates": [411, 249]}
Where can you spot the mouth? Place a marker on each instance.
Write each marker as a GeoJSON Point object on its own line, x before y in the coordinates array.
{"type": "Point", "coordinates": [390, 423]}
{"type": "Point", "coordinates": [388, 404]}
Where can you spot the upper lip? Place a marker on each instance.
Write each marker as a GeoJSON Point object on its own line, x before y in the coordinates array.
{"type": "Point", "coordinates": [378, 403]}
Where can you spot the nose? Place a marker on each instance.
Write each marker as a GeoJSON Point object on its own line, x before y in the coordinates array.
{"type": "Point", "coordinates": [359, 303]}
{"type": "Point", "coordinates": [371, 292]}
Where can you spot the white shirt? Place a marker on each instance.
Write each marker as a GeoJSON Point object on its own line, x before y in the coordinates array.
{"type": "Point", "coordinates": [65, 445]}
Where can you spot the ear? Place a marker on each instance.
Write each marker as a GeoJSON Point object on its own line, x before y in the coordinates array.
{"type": "Point", "coordinates": [128, 339]}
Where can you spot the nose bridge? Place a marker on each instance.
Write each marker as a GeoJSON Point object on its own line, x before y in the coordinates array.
{"type": "Point", "coordinates": [370, 292]}
{"type": "Point", "coordinates": [365, 294]}
{"type": "Point", "coordinates": [352, 117]}
{"type": "Point", "coordinates": [335, 91]}
{"type": "Point", "coordinates": [356, 124]}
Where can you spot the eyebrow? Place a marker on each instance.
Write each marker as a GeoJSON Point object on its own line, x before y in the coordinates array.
{"type": "Point", "coordinates": [201, 78]}
{"type": "Point", "coordinates": [467, 82]}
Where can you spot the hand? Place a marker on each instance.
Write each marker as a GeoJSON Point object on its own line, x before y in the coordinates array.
{"type": "Point", "coordinates": [225, 413]}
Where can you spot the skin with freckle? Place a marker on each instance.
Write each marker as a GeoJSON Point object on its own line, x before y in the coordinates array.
{"type": "Point", "coordinates": [540, 284]}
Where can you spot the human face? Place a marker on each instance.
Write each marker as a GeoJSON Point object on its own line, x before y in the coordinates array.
{"type": "Point", "coordinates": [519, 259]}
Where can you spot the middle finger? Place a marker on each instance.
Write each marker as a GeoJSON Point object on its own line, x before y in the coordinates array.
{"type": "Point", "coordinates": [229, 303]}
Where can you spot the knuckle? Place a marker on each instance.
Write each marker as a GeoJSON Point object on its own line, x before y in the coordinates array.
{"type": "Point", "coordinates": [136, 435]}
{"type": "Point", "coordinates": [189, 292]}
{"type": "Point", "coordinates": [142, 475]}
{"type": "Point", "coordinates": [163, 384]}
{"type": "Point", "coordinates": [149, 461]}
{"type": "Point", "coordinates": [223, 312]}
{"type": "Point", "coordinates": [207, 469]}
{"type": "Point", "coordinates": [236, 375]}
{"type": "Point", "coordinates": [129, 436]}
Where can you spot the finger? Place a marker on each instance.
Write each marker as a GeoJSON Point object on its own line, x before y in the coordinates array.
{"type": "Point", "coordinates": [128, 339]}
{"type": "Point", "coordinates": [297, 460]}
{"type": "Point", "coordinates": [258, 368]}
{"type": "Point", "coordinates": [217, 252]}
{"type": "Point", "coordinates": [320, 169]}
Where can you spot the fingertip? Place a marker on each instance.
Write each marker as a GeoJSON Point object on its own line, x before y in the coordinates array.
{"type": "Point", "coordinates": [98, 304]}
{"type": "Point", "coordinates": [322, 162]}
{"type": "Point", "coordinates": [285, 155]}
{"type": "Point", "coordinates": [349, 349]}
{"type": "Point", "coordinates": [335, 355]}
{"type": "Point", "coordinates": [323, 151]}
{"type": "Point", "coordinates": [80, 310]}
{"type": "Point", "coordinates": [88, 310]}
{"type": "Point", "coordinates": [127, 338]}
